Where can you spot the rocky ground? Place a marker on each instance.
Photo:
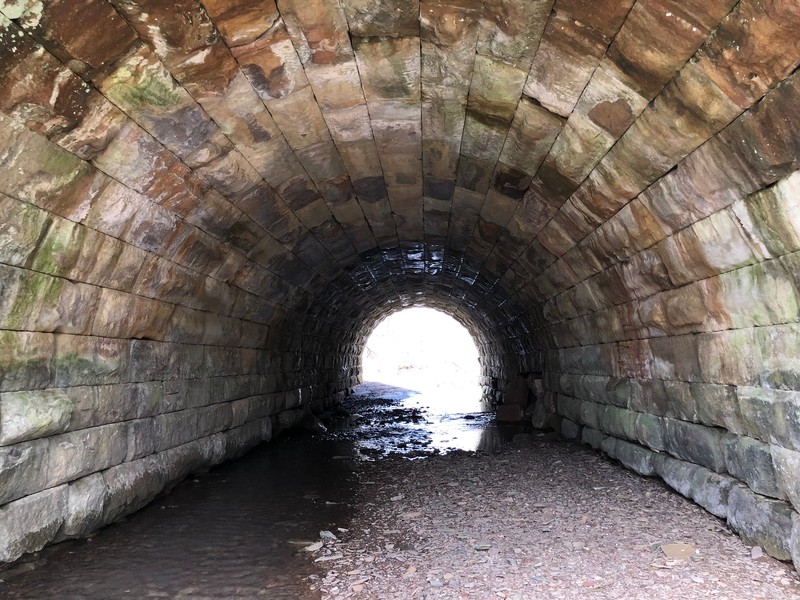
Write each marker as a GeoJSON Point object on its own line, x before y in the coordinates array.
{"type": "Point", "coordinates": [541, 518]}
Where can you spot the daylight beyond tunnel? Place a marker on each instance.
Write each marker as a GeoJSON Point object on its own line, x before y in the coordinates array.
{"type": "Point", "coordinates": [205, 205]}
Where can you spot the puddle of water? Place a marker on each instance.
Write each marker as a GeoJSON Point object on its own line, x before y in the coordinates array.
{"type": "Point", "coordinates": [416, 424]}
{"type": "Point", "coordinates": [230, 533]}
{"type": "Point", "coordinates": [235, 531]}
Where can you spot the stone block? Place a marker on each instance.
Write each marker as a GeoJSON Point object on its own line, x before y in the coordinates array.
{"type": "Point", "coordinates": [131, 486]}
{"type": "Point", "coordinates": [84, 510]}
{"type": "Point", "coordinates": [88, 360]}
{"type": "Point", "coordinates": [176, 428]}
{"type": "Point", "coordinates": [569, 408]}
{"type": "Point", "coordinates": [26, 360]}
{"type": "Point", "coordinates": [78, 453]}
{"type": "Point", "coordinates": [240, 440]}
{"type": "Point", "coordinates": [570, 430]}
{"type": "Point", "coordinates": [771, 415]}
{"type": "Point", "coordinates": [28, 524]}
{"type": "Point", "coordinates": [23, 469]}
{"type": "Point", "coordinates": [696, 443]}
{"type": "Point", "coordinates": [651, 431]}
{"type": "Point", "coordinates": [761, 521]}
{"type": "Point", "coordinates": [592, 437]}
{"type": "Point", "coordinates": [539, 415]}
{"type": "Point", "coordinates": [751, 461]}
{"type": "Point", "coordinates": [30, 415]}
{"type": "Point", "coordinates": [705, 487]}
{"type": "Point", "coordinates": [590, 414]}
{"type": "Point", "coordinates": [636, 458]}
{"type": "Point", "coordinates": [141, 439]}
{"type": "Point", "coordinates": [618, 422]}
{"type": "Point", "coordinates": [786, 464]}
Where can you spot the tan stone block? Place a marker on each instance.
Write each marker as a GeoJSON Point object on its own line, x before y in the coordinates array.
{"type": "Point", "coordinates": [336, 86]}
{"type": "Point", "coordinates": [531, 136]}
{"type": "Point", "coordinates": [34, 170]}
{"type": "Point", "coordinates": [300, 119]}
{"type": "Point", "coordinates": [389, 67]}
{"type": "Point", "coordinates": [511, 30]}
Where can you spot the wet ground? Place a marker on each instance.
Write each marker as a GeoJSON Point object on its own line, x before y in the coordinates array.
{"type": "Point", "coordinates": [235, 531]}
{"type": "Point", "coordinates": [417, 495]}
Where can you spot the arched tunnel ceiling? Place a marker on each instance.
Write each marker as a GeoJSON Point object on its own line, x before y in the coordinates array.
{"type": "Point", "coordinates": [274, 147]}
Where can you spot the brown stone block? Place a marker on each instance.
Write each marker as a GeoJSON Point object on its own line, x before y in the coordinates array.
{"type": "Point", "coordinates": [174, 39]}
{"type": "Point", "coordinates": [531, 136]}
{"type": "Point", "coordinates": [659, 36]}
{"type": "Point", "coordinates": [271, 64]}
{"type": "Point", "coordinates": [166, 281]}
{"type": "Point", "coordinates": [447, 27]}
{"type": "Point", "coordinates": [767, 49]}
{"type": "Point", "coordinates": [198, 251]}
{"type": "Point", "coordinates": [86, 34]}
{"type": "Point", "coordinates": [116, 265]}
{"type": "Point", "coordinates": [336, 86]}
{"type": "Point", "coordinates": [731, 357]}
{"type": "Point", "coordinates": [154, 229]}
{"type": "Point", "coordinates": [322, 162]}
{"type": "Point", "coordinates": [208, 73]}
{"type": "Point", "coordinates": [37, 90]}
{"type": "Point", "coordinates": [318, 29]}
{"type": "Point", "coordinates": [113, 210]}
{"type": "Point", "coordinates": [241, 21]}
{"type": "Point", "coordinates": [230, 174]}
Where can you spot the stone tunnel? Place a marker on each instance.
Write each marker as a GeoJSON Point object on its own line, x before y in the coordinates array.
{"type": "Point", "coordinates": [206, 205]}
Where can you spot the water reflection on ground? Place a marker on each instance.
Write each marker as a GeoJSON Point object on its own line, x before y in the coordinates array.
{"type": "Point", "coordinates": [236, 531]}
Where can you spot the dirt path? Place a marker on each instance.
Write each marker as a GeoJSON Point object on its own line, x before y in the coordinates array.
{"type": "Point", "coordinates": [540, 519]}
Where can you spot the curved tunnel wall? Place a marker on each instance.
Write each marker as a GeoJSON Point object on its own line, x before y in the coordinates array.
{"type": "Point", "coordinates": [203, 206]}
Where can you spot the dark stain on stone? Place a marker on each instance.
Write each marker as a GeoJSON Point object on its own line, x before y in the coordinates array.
{"type": "Point", "coordinates": [441, 189]}
{"type": "Point", "coordinates": [512, 183]}
{"type": "Point", "coordinates": [615, 117]}
{"type": "Point", "coordinates": [370, 189]}
{"type": "Point", "coordinates": [275, 85]}
{"type": "Point", "coordinates": [297, 194]}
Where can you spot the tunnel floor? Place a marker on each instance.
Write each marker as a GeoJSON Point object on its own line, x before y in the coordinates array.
{"type": "Point", "coordinates": [418, 499]}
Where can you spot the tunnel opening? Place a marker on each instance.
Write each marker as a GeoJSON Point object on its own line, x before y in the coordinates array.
{"type": "Point", "coordinates": [428, 351]}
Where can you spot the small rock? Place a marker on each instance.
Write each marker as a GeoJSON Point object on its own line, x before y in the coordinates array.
{"type": "Point", "coordinates": [756, 552]}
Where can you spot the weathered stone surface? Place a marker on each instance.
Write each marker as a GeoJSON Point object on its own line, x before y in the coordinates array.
{"type": "Point", "coordinates": [131, 486]}
{"type": "Point", "coordinates": [31, 415]}
{"type": "Point", "coordinates": [705, 487]}
{"type": "Point", "coordinates": [751, 461]}
{"type": "Point", "coordinates": [78, 453]}
{"type": "Point", "coordinates": [796, 541]}
{"type": "Point", "coordinates": [761, 521]}
{"type": "Point", "coordinates": [786, 464]}
{"type": "Point", "coordinates": [84, 507]}
{"type": "Point", "coordinates": [696, 443]}
{"type": "Point", "coordinates": [28, 524]}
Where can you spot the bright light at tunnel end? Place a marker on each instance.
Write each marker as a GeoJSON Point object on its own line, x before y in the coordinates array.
{"type": "Point", "coordinates": [425, 350]}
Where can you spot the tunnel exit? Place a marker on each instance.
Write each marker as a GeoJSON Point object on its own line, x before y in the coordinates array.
{"type": "Point", "coordinates": [425, 350]}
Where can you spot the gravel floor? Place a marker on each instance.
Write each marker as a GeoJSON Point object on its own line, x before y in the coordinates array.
{"type": "Point", "coordinates": [540, 519]}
